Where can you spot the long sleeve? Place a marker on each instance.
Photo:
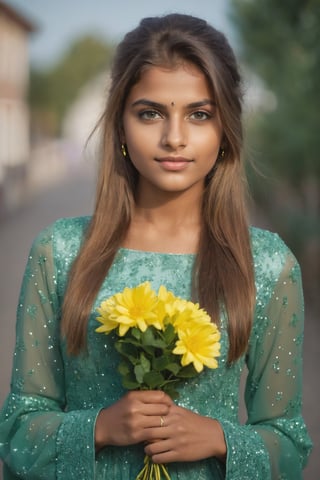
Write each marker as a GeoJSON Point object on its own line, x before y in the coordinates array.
{"type": "Point", "coordinates": [274, 443]}
{"type": "Point", "coordinates": [37, 435]}
{"type": "Point", "coordinates": [47, 424]}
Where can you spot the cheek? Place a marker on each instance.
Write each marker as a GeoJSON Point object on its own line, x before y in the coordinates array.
{"type": "Point", "coordinates": [135, 136]}
{"type": "Point", "coordinates": [208, 150]}
{"type": "Point", "coordinates": [206, 138]}
{"type": "Point", "coordinates": [137, 150]}
{"type": "Point", "coordinates": [141, 142]}
{"type": "Point", "coordinates": [136, 147]}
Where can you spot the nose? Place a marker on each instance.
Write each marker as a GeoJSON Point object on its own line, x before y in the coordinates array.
{"type": "Point", "coordinates": [174, 133]}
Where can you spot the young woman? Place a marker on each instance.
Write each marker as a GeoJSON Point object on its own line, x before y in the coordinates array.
{"type": "Point", "coordinates": [170, 209]}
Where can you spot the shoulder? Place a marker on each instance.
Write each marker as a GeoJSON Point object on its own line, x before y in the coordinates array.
{"type": "Point", "coordinates": [271, 255]}
{"type": "Point", "coordinates": [64, 234]}
{"type": "Point", "coordinates": [71, 229]}
{"type": "Point", "coordinates": [266, 241]}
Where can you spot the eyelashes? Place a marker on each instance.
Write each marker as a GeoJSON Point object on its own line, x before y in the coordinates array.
{"type": "Point", "coordinates": [201, 115]}
{"type": "Point", "coordinates": [150, 115]}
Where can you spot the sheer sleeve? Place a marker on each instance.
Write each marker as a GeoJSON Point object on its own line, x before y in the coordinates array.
{"type": "Point", "coordinates": [37, 435]}
{"type": "Point", "coordinates": [274, 387]}
{"type": "Point", "coordinates": [274, 443]}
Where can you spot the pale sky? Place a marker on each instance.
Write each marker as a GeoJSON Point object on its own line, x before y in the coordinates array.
{"type": "Point", "coordinates": [60, 21]}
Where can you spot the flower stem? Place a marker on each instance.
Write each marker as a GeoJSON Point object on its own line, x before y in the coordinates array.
{"type": "Point", "coordinates": [153, 471]}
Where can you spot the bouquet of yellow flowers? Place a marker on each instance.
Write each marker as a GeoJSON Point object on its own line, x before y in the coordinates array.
{"type": "Point", "coordinates": [162, 340]}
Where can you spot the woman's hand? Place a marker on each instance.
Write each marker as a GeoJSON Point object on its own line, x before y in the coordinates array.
{"type": "Point", "coordinates": [135, 418]}
{"type": "Point", "coordinates": [186, 436]}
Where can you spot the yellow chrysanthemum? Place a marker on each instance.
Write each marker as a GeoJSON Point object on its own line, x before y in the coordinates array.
{"type": "Point", "coordinates": [105, 310]}
{"type": "Point", "coordinates": [166, 300]}
{"type": "Point", "coordinates": [165, 295]}
{"type": "Point", "coordinates": [185, 313]}
{"type": "Point", "coordinates": [198, 343]}
{"type": "Point", "coordinates": [134, 307]}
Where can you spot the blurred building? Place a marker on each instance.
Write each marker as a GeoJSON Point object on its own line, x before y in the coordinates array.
{"type": "Point", "coordinates": [83, 115]}
{"type": "Point", "coordinates": [14, 113]}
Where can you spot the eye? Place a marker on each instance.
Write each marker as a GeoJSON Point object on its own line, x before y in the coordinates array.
{"type": "Point", "coordinates": [149, 115]}
{"type": "Point", "coordinates": [200, 115]}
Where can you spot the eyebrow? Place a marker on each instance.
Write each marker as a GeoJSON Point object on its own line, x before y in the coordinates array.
{"type": "Point", "coordinates": [150, 103]}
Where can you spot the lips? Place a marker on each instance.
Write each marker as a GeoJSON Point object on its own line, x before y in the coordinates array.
{"type": "Point", "coordinates": [173, 163]}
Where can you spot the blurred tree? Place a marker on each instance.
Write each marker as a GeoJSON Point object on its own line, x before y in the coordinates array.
{"type": "Point", "coordinates": [280, 42]}
{"type": "Point", "coordinates": [53, 90]}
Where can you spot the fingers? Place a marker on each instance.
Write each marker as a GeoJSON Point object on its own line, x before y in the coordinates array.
{"type": "Point", "coordinates": [149, 407]}
{"type": "Point", "coordinates": [135, 418]}
{"type": "Point", "coordinates": [152, 422]}
{"type": "Point", "coordinates": [165, 456]}
{"type": "Point", "coordinates": [171, 433]}
{"type": "Point", "coordinates": [150, 396]}
{"type": "Point", "coordinates": [186, 436]}
{"type": "Point", "coordinates": [152, 410]}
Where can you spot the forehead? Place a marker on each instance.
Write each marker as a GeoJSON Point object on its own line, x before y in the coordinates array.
{"type": "Point", "coordinates": [183, 83]}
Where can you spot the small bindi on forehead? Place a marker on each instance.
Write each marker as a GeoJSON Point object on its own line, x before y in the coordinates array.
{"type": "Point", "coordinates": [172, 104]}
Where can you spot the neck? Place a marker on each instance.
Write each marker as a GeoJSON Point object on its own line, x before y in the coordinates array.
{"type": "Point", "coordinates": [169, 208]}
{"type": "Point", "coordinates": [166, 223]}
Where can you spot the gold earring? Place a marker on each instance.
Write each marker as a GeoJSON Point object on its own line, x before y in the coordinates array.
{"type": "Point", "coordinates": [123, 150]}
{"type": "Point", "coordinates": [222, 153]}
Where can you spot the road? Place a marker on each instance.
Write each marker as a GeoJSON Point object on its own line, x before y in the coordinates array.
{"type": "Point", "coordinates": [74, 196]}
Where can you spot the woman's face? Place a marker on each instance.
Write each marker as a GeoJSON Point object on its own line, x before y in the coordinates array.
{"type": "Point", "coordinates": [172, 129]}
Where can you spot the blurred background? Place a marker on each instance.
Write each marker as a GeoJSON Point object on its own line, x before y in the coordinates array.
{"type": "Point", "coordinates": [54, 62]}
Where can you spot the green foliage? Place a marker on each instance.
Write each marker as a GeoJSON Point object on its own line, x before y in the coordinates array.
{"type": "Point", "coordinates": [53, 90]}
{"type": "Point", "coordinates": [281, 43]}
{"type": "Point", "coordinates": [148, 362]}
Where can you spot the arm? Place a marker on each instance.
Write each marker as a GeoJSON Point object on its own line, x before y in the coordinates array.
{"type": "Point", "coordinates": [38, 439]}
{"type": "Point", "coordinates": [274, 443]}
{"type": "Point", "coordinates": [274, 385]}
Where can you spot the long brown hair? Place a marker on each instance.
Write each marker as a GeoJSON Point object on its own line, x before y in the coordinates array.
{"type": "Point", "coordinates": [223, 274]}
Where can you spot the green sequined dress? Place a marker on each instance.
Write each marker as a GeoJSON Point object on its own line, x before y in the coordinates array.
{"type": "Point", "coordinates": [47, 422]}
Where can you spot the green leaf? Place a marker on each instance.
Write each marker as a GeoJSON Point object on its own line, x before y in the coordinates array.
{"type": "Point", "coordinates": [166, 362]}
{"type": "Point", "coordinates": [169, 334]}
{"type": "Point", "coordinates": [131, 341]}
{"type": "Point", "coordinates": [145, 363]}
{"type": "Point", "coordinates": [128, 350]}
{"type": "Point", "coordinates": [139, 373]}
{"type": "Point", "coordinates": [142, 368]}
{"type": "Point", "coordinates": [153, 379]}
{"type": "Point", "coordinates": [130, 382]}
{"type": "Point", "coordinates": [160, 363]}
{"type": "Point", "coordinates": [188, 372]}
{"type": "Point", "coordinates": [123, 368]}
{"type": "Point", "coordinates": [151, 338]}
{"type": "Point", "coordinates": [150, 351]}
{"type": "Point", "coordinates": [136, 333]}
{"type": "Point", "coordinates": [173, 368]}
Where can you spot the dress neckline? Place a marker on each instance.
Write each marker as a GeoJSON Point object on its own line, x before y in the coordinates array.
{"type": "Point", "coordinates": [149, 252]}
